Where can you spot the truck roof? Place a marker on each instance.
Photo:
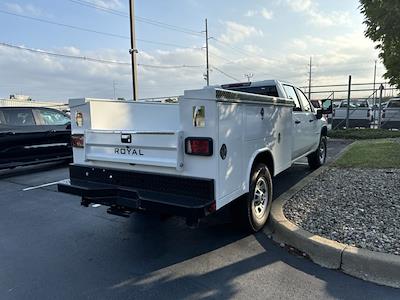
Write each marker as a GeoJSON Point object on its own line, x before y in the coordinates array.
{"type": "Point", "coordinates": [254, 83]}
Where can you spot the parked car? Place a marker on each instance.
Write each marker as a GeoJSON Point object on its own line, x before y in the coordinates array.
{"type": "Point", "coordinates": [360, 114]}
{"type": "Point", "coordinates": [31, 135]}
{"type": "Point", "coordinates": [391, 114]}
{"type": "Point", "coordinates": [216, 146]}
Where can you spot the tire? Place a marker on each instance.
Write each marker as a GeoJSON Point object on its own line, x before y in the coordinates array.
{"type": "Point", "coordinates": [318, 158]}
{"type": "Point", "coordinates": [252, 212]}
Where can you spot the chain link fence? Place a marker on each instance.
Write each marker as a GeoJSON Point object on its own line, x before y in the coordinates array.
{"type": "Point", "coordinates": [359, 105]}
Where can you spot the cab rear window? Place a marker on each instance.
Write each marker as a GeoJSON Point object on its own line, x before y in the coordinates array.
{"type": "Point", "coordinates": [259, 90]}
{"type": "Point", "coordinates": [394, 104]}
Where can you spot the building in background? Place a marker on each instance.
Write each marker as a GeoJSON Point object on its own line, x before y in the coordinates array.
{"type": "Point", "coordinates": [23, 100]}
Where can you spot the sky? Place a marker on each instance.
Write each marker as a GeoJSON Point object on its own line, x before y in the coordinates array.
{"type": "Point", "coordinates": [269, 39]}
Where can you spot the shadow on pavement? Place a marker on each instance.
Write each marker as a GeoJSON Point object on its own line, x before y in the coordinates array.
{"type": "Point", "coordinates": [19, 171]}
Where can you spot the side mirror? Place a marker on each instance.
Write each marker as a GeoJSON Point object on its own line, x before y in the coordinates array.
{"type": "Point", "coordinates": [327, 106]}
{"type": "Point", "coordinates": [319, 114]}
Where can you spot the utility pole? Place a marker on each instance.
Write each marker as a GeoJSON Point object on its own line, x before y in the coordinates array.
{"type": "Point", "coordinates": [348, 103]}
{"type": "Point", "coordinates": [207, 60]}
{"type": "Point", "coordinates": [249, 76]}
{"type": "Point", "coordinates": [309, 80]}
{"type": "Point", "coordinates": [133, 51]}
{"type": "Point", "coordinates": [374, 95]}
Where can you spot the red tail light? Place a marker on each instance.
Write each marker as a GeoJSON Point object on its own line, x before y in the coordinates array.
{"type": "Point", "coordinates": [78, 140]}
{"type": "Point", "coordinates": [199, 146]}
{"type": "Point", "coordinates": [384, 114]}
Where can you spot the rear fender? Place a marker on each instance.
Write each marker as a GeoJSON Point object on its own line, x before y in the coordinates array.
{"type": "Point", "coordinates": [254, 160]}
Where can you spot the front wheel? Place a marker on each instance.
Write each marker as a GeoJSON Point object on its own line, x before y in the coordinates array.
{"type": "Point", "coordinates": [318, 158]}
{"type": "Point", "coordinates": [253, 209]}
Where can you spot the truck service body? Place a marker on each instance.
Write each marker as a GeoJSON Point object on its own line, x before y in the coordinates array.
{"type": "Point", "coordinates": [193, 157]}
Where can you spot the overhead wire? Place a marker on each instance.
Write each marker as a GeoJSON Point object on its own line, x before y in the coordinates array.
{"type": "Point", "coordinates": [94, 31]}
{"type": "Point", "coordinates": [96, 60]}
{"type": "Point", "coordinates": [137, 18]}
{"type": "Point", "coordinates": [224, 73]}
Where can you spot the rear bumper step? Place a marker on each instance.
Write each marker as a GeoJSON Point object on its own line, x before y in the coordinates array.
{"type": "Point", "coordinates": [126, 191]}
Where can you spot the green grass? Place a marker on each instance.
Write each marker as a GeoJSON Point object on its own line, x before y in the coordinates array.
{"type": "Point", "coordinates": [371, 154]}
{"type": "Point", "coordinates": [363, 134]}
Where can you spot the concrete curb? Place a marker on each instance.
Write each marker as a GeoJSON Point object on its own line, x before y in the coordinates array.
{"type": "Point", "coordinates": [372, 266]}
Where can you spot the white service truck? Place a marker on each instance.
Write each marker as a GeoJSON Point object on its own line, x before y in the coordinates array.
{"type": "Point", "coordinates": [214, 146]}
{"type": "Point", "coordinates": [391, 114]}
{"type": "Point", "coordinates": [360, 114]}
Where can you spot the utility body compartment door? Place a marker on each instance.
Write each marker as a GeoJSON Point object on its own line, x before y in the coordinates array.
{"type": "Point", "coordinates": [162, 149]}
{"type": "Point", "coordinates": [230, 171]}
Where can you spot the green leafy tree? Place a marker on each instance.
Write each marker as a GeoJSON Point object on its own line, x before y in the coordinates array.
{"type": "Point", "coordinates": [382, 18]}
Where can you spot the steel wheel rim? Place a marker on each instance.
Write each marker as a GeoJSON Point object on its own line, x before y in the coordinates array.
{"type": "Point", "coordinates": [260, 198]}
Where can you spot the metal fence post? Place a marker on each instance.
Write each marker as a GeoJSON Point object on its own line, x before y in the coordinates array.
{"type": "Point", "coordinates": [348, 103]}
{"type": "Point", "coordinates": [380, 106]}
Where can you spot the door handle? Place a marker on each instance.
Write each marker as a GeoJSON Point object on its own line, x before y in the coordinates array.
{"type": "Point", "coordinates": [297, 122]}
{"type": "Point", "coordinates": [311, 121]}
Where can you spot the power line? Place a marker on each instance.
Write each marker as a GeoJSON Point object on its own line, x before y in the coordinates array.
{"type": "Point", "coordinates": [64, 25]}
{"type": "Point", "coordinates": [238, 50]}
{"type": "Point", "coordinates": [224, 73]}
{"type": "Point", "coordinates": [94, 31]}
{"type": "Point", "coordinates": [138, 18]}
{"type": "Point", "coordinates": [96, 60]}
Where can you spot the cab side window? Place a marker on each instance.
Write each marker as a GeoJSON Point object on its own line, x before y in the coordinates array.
{"type": "Point", "coordinates": [2, 119]}
{"type": "Point", "coordinates": [304, 101]}
{"type": "Point", "coordinates": [52, 117]}
{"type": "Point", "coordinates": [18, 117]}
{"type": "Point", "coordinates": [291, 93]}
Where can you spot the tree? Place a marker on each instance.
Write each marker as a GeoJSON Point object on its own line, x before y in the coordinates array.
{"type": "Point", "coordinates": [382, 18]}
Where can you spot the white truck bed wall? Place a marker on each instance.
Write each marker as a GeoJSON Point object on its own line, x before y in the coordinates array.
{"type": "Point", "coordinates": [247, 124]}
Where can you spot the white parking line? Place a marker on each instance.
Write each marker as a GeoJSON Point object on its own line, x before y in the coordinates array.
{"type": "Point", "coordinates": [45, 185]}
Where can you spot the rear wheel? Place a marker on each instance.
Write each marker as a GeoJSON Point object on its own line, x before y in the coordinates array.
{"type": "Point", "coordinates": [253, 209]}
{"type": "Point", "coordinates": [318, 158]}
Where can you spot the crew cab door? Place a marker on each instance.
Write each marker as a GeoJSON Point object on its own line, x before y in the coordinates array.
{"type": "Point", "coordinates": [311, 125]}
{"type": "Point", "coordinates": [17, 133]}
{"type": "Point", "coordinates": [300, 124]}
{"type": "Point", "coordinates": [54, 129]}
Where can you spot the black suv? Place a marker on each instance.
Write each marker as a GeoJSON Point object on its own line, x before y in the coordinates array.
{"type": "Point", "coordinates": [31, 135]}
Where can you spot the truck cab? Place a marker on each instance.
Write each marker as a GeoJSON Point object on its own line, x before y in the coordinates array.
{"type": "Point", "coordinates": [216, 146]}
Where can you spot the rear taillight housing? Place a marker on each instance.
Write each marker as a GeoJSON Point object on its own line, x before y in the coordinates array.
{"type": "Point", "coordinates": [368, 113]}
{"type": "Point", "coordinates": [333, 113]}
{"type": "Point", "coordinates": [383, 114]}
{"type": "Point", "coordinates": [78, 140]}
{"type": "Point", "coordinates": [199, 146]}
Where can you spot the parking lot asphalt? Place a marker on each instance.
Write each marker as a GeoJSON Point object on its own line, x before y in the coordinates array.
{"type": "Point", "coordinates": [52, 248]}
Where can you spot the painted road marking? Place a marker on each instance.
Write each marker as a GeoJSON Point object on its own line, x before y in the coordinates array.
{"type": "Point", "coordinates": [46, 185]}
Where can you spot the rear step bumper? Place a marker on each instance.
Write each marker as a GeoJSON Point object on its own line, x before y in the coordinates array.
{"type": "Point", "coordinates": [126, 191]}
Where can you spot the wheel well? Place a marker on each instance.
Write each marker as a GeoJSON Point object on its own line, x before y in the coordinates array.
{"type": "Point", "coordinates": [265, 158]}
{"type": "Point", "coordinates": [324, 131]}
